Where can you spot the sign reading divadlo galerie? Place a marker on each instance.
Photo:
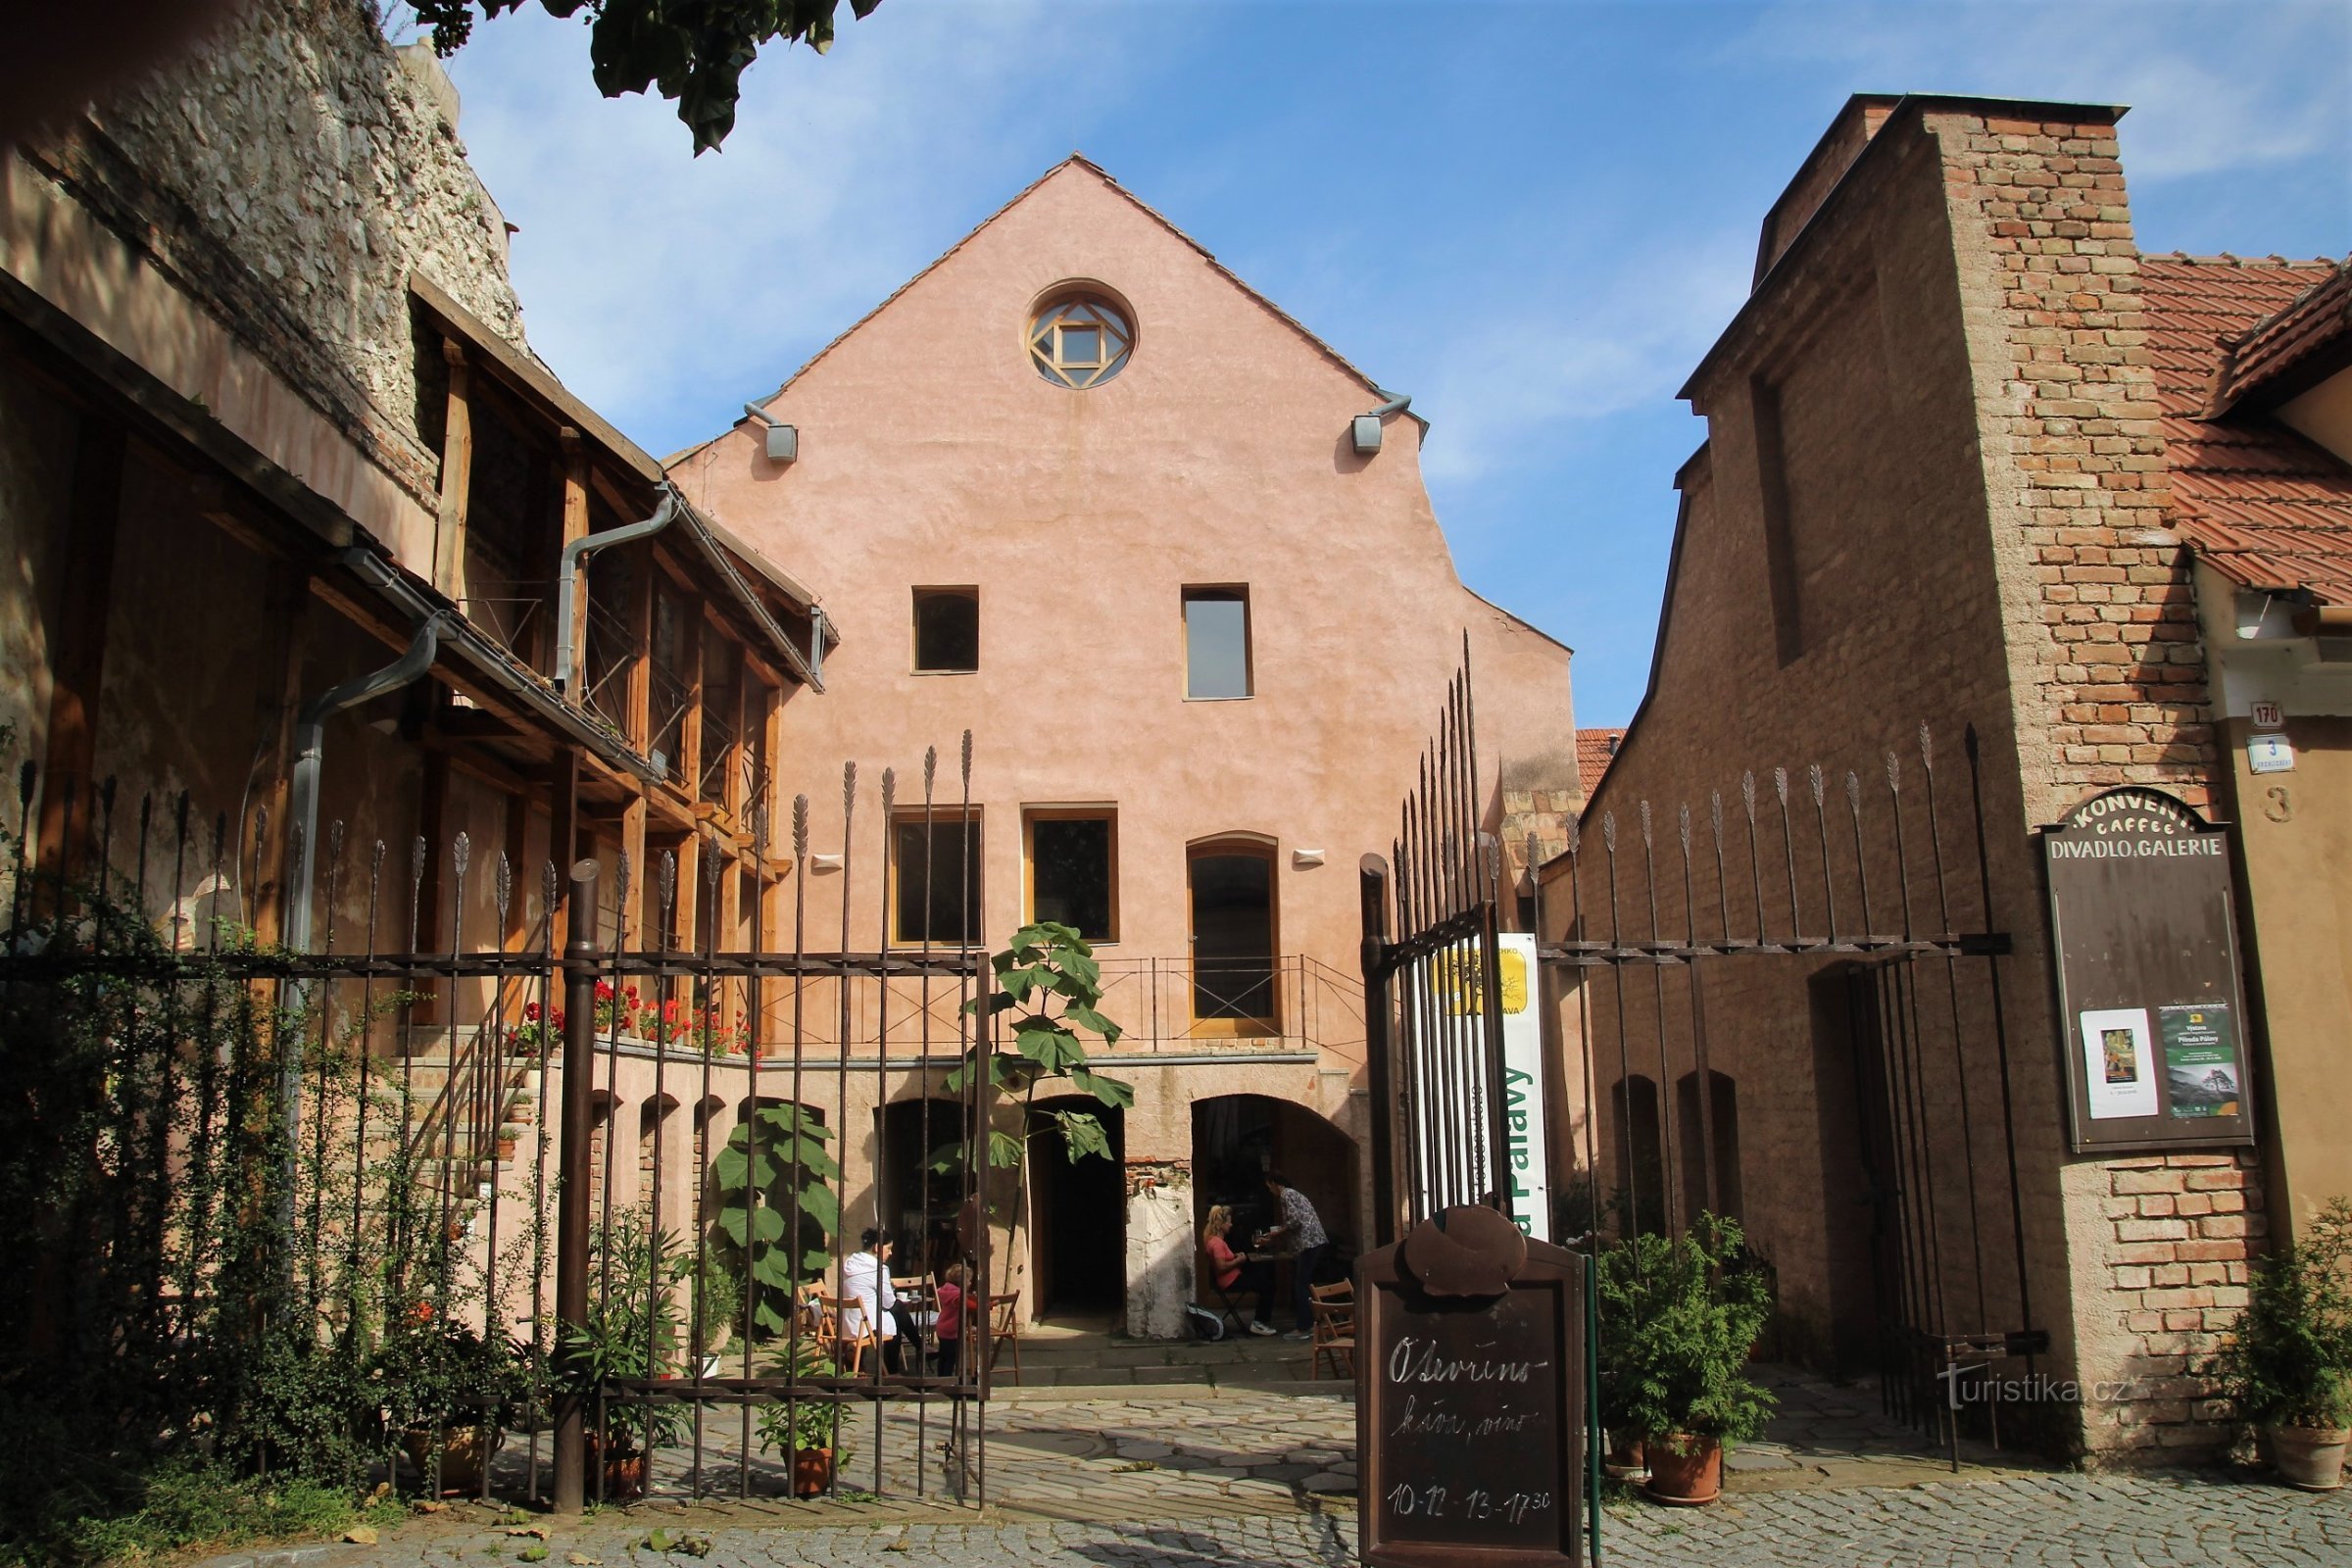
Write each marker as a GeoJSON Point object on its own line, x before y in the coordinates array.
{"type": "Point", "coordinates": [2142, 918]}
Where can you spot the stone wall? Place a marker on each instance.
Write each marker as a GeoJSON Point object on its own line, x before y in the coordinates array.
{"type": "Point", "coordinates": [1159, 1246]}
{"type": "Point", "coordinates": [290, 175]}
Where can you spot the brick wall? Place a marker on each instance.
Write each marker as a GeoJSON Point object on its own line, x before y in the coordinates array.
{"type": "Point", "coordinates": [2108, 686]}
{"type": "Point", "coordinates": [2182, 1232]}
{"type": "Point", "coordinates": [2110, 675]}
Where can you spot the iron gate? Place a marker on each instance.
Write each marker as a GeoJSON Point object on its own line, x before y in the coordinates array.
{"type": "Point", "coordinates": [604, 1199]}
{"type": "Point", "coordinates": [1812, 914]}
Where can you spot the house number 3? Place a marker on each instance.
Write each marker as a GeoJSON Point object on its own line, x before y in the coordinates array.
{"type": "Point", "coordinates": [2275, 803]}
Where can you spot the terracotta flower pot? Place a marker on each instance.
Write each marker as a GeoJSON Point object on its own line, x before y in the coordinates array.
{"type": "Point", "coordinates": [464, 1452]}
{"type": "Point", "coordinates": [625, 1470]}
{"type": "Point", "coordinates": [1625, 1461]}
{"type": "Point", "coordinates": [1685, 1470]}
{"type": "Point", "coordinates": [2308, 1457]}
{"type": "Point", "coordinates": [812, 1471]}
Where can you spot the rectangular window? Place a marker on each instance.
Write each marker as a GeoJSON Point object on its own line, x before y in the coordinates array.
{"type": "Point", "coordinates": [935, 880]}
{"type": "Point", "coordinates": [946, 630]}
{"type": "Point", "coordinates": [1074, 871]}
{"type": "Point", "coordinates": [1216, 643]}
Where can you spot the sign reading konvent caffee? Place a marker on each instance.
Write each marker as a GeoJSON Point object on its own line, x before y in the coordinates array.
{"type": "Point", "coordinates": [2149, 1004]}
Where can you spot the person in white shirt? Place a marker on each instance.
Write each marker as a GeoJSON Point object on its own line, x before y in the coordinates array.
{"type": "Point", "coordinates": [1301, 1230]}
{"type": "Point", "coordinates": [865, 1280]}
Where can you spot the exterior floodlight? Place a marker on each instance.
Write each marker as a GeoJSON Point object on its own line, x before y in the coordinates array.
{"type": "Point", "coordinates": [1364, 430]}
{"type": "Point", "coordinates": [783, 440]}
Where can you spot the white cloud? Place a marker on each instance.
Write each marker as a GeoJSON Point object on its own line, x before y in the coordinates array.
{"type": "Point", "coordinates": [666, 289]}
{"type": "Point", "coordinates": [2211, 87]}
{"type": "Point", "coordinates": [1579, 346]}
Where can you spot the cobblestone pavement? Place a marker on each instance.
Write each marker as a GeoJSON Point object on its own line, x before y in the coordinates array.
{"type": "Point", "coordinates": [1238, 1478]}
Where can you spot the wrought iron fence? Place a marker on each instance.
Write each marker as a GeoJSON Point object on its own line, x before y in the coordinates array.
{"type": "Point", "coordinates": [392, 1173]}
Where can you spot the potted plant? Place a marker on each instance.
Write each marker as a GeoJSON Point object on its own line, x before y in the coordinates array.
{"type": "Point", "coordinates": [449, 1393]}
{"type": "Point", "coordinates": [807, 1430]}
{"type": "Point", "coordinates": [1678, 1321]}
{"type": "Point", "coordinates": [632, 1334]}
{"type": "Point", "coordinates": [2288, 1366]}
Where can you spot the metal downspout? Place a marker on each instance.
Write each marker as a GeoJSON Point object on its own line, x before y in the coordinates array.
{"type": "Point", "coordinates": [310, 749]}
{"type": "Point", "coordinates": [575, 554]}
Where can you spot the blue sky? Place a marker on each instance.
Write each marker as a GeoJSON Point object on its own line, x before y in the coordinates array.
{"type": "Point", "coordinates": [1533, 217]}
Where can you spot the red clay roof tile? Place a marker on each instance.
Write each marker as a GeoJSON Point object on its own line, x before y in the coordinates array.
{"type": "Point", "coordinates": [2259, 503]}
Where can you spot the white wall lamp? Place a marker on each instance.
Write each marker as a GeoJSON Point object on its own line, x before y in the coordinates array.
{"type": "Point", "coordinates": [1365, 430]}
{"type": "Point", "coordinates": [1306, 859]}
{"type": "Point", "coordinates": [824, 862]}
{"type": "Point", "coordinates": [783, 440]}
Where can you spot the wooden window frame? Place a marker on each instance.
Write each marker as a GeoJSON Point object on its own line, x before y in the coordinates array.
{"type": "Point", "coordinates": [1219, 592]}
{"type": "Point", "coordinates": [976, 817]}
{"type": "Point", "coordinates": [1113, 319]}
{"type": "Point", "coordinates": [1030, 815]}
{"type": "Point", "coordinates": [914, 627]}
{"type": "Point", "coordinates": [1269, 1024]}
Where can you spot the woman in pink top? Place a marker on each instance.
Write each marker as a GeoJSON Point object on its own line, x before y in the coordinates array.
{"type": "Point", "coordinates": [1237, 1274]}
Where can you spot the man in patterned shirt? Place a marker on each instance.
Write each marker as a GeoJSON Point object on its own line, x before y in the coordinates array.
{"type": "Point", "coordinates": [1301, 1229]}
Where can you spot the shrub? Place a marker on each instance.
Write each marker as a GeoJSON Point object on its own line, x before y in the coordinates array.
{"type": "Point", "coordinates": [1678, 1321]}
{"type": "Point", "coordinates": [2291, 1361]}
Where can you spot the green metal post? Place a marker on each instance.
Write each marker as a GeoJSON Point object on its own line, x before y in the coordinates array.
{"type": "Point", "coordinates": [1593, 1434]}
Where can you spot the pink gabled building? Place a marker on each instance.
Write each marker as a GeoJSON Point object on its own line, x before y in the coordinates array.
{"type": "Point", "coordinates": [1078, 488]}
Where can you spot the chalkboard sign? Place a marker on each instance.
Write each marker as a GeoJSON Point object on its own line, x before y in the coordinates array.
{"type": "Point", "coordinates": [2148, 1000]}
{"type": "Point", "coordinates": [1470, 1407]}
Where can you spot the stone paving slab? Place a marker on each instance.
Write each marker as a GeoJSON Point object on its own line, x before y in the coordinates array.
{"type": "Point", "coordinates": [1217, 1478]}
{"type": "Point", "coordinates": [2056, 1521]}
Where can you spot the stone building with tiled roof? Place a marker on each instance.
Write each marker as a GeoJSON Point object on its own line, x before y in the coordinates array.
{"type": "Point", "coordinates": [1990, 502]}
{"type": "Point", "coordinates": [1596, 749]}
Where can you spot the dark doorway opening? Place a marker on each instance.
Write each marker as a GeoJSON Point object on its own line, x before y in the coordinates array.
{"type": "Point", "coordinates": [1077, 1212]}
{"type": "Point", "coordinates": [1722, 1120]}
{"type": "Point", "coordinates": [1238, 1138]}
{"type": "Point", "coordinates": [918, 1134]}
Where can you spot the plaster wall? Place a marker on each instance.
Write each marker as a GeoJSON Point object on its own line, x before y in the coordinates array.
{"type": "Point", "coordinates": [932, 453]}
{"type": "Point", "coordinates": [2295, 842]}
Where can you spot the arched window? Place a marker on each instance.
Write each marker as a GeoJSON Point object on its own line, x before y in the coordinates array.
{"type": "Point", "coordinates": [1236, 973]}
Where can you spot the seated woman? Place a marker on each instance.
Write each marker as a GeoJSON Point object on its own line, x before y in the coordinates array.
{"type": "Point", "coordinates": [1238, 1274]}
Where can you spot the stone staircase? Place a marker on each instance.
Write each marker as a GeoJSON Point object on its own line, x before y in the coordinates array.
{"type": "Point", "coordinates": [1073, 1352]}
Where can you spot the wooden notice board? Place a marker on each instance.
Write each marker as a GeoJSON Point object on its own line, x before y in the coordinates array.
{"type": "Point", "coordinates": [1470, 1400]}
{"type": "Point", "coordinates": [2158, 1049]}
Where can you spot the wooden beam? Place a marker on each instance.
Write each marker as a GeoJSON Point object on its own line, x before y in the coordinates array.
{"type": "Point", "coordinates": [285, 608]}
{"type": "Point", "coordinates": [518, 934]}
{"type": "Point", "coordinates": [633, 845]}
{"type": "Point", "coordinates": [86, 545]}
{"type": "Point", "coordinates": [563, 839]}
{"type": "Point", "coordinates": [575, 526]}
{"type": "Point", "coordinates": [456, 477]}
{"type": "Point", "coordinates": [433, 818]}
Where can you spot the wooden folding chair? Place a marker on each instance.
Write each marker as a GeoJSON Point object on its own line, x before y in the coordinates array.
{"type": "Point", "coordinates": [1334, 1309]}
{"type": "Point", "coordinates": [845, 1345]}
{"type": "Point", "coordinates": [1004, 1328]}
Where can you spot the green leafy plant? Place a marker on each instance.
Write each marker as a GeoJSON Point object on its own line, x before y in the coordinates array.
{"type": "Point", "coordinates": [2289, 1361]}
{"type": "Point", "coordinates": [1678, 1321]}
{"type": "Point", "coordinates": [1049, 984]}
{"type": "Point", "coordinates": [801, 1424]}
{"type": "Point", "coordinates": [633, 1331]}
{"type": "Point", "coordinates": [775, 1177]}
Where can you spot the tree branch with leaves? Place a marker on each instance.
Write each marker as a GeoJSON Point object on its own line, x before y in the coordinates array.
{"type": "Point", "coordinates": [692, 51]}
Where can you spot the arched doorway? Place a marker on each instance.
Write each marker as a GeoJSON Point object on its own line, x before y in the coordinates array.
{"type": "Point", "coordinates": [1077, 1212]}
{"type": "Point", "coordinates": [1638, 1153]}
{"type": "Point", "coordinates": [1722, 1118]}
{"type": "Point", "coordinates": [1238, 1138]}
{"type": "Point", "coordinates": [922, 1201]}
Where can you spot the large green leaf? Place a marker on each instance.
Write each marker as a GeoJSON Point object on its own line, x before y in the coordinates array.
{"type": "Point", "coordinates": [1111, 1090]}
